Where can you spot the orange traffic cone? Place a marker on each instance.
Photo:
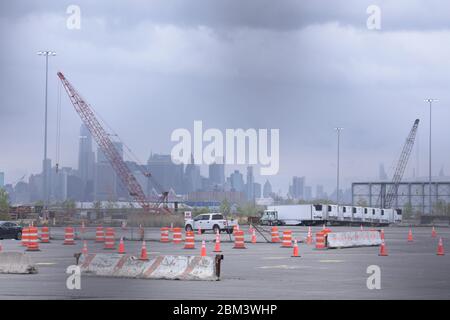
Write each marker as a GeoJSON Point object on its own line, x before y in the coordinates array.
{"type": "Point", "coordinates": [295, 254]}
{"type": "Point", "coordinates": [143, 252]}
{"type": "Point", "coordinates": [440, 250]}
{"type": "Point", "coordinates": [85, 248]}
{"type": "Point", "coordinates": [410, 236]}
{"type": "Point", "coordinates": [433, 233]}
{"type": "Point", "coordinates": [121, 246]}
{"type": "Point", "coordinates": [203, 251]}
{"type": "Point", "coordinates": [382, 234]}
{"type": "Point", "coordinates": [253, 236]}
{"type": "Point", "coordinates": [309, 238]}
{"type": "Point", "coordinates": [217, 246]}
{"type": "Point", "coordinates": [383, 250]}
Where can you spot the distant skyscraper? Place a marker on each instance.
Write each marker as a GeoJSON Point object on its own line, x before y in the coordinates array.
{"type": "Point", "coordinates": [75, 188]}
{"type": "Point", "coordinates": [250, 184]}
{"type": "Point", "coordinates": [86, 163]}
{"type": "Point", "coordinates": [85, 155]}
{"type": "Point", "coordinates": [166, 173]}
{"type": "Point", "coordinates": [60, 183]}
{"type": "Point", "coordinates": [296, 190]}
{"type": "Point", "coordinates": [307, 193]}
{"type": "Point", "coordinates": [193, 180]}
{"type": "Point", "coordinates": [257, 190]}
{"type": "Point", "coordinates": [36, 187]}
{"type": "Point", "coordinates": [107, 185]}
{"type": "Point", "coordinates": [216, 174]}
{"type": "Point", "coordinates": [22, 193]}
{"type": "Point", "coordinates": [319, 192]}
{"type": "Point", "coordinates": [2, 179]}
{"type": "Point", "coordinates": [237, 181]}
{"type": "Point", "coordinates": [267, 190]}
{"type": "Point", "coordinates": [382, 173]}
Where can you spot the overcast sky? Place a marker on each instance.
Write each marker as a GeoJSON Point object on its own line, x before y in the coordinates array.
{"type": "Point", "coordinates": [304, 67]}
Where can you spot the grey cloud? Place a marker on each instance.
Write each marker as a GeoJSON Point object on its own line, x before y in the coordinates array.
{"type": "Point", "coordinates": [259, 14]}
{"type": "Point", "coordinates": [304, 67]}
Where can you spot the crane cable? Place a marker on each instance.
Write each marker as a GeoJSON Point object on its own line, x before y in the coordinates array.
{"type": "Point", "coordinates": [58, 126]}
{"type": "Point", "coordinates": [127, 151]}
{"type": "Point", "coordinates": [113, 133]}
{"type": "Point", "coordinates": [130, 154]}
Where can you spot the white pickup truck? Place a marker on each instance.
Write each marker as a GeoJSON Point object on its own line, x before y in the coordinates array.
{"type": "Point", "coordinates": [210, 221]}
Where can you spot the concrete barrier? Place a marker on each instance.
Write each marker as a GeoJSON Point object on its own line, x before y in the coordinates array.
{"type": "Point", "coordinates": [353, 239]}
{"type": "Point", "coordinates": [16, 262]}
{"type": "Point", "coordinates": [159, 267]}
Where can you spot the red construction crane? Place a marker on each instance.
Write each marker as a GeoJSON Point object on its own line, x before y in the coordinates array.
{"type": "Point", "coordinates": [104, 142]}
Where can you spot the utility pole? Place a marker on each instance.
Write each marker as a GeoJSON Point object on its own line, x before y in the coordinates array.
{"type": "Point", "coordinates": [338, 131]}
{"type": "Point", "coordinates": [46, 54]}
{"type": "Point", "coordinates": [430, 102]}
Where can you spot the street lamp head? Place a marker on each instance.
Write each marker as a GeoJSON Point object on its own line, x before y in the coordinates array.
{"type": "Point", "coordinates": [46, 53]}
{"type": "Point", "coordinates": [431, 100]}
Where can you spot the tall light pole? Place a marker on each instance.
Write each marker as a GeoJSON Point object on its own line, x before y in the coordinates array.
{"type": "Point", "coordinates": [430, 102]}
{"type": "Point", "coordinates": [46, 54]}
{"type": "Point", "coordinates": [338, 131]}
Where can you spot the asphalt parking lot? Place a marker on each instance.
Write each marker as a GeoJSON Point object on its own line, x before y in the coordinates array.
{"type": "Point", "coordinates": [262, 271]}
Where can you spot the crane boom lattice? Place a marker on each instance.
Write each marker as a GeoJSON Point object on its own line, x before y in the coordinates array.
{"type": "Point", "coordinates": [104, 142]}
{"type": "Point", "coordinates": [391, 193]}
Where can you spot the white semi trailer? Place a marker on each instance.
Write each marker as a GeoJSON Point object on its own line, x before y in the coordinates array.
{"type": "Point", "coordinates": [310, 214]}
{"type": "Point", "coordinates": [287, 215]}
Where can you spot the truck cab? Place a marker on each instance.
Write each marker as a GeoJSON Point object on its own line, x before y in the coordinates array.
{"type": "Point", "coordinates": [269, 217]}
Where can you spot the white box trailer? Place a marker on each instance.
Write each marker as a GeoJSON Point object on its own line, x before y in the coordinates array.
{"type": "Point", "coordinates": [287, 215]}
{"type": "Point", "coordinates": [345, 213]}
{"type": "Point", "coordinates": [319, 212]}
{"type": "Point", "coordinates": [332, 212]}
{"type": "Point", "coordinates": [387, 215]}
{"type": "Point", "coordinates": [358, 213]}
{"type": "Point", "coordinates": [397, 215]}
